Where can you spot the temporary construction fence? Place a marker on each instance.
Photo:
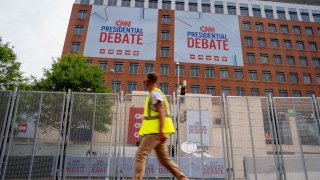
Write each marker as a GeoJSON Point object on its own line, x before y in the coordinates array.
{"type": "Point", "coordinates": [55, 135]}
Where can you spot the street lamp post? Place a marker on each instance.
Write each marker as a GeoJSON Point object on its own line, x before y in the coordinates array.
{"type": "Point", "coordinates": [113, 81]}
{"type": "Point", "coordinates": [177, 63]}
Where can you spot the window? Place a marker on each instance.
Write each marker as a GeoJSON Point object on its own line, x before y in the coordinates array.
{"type": "Point", "coordinates": [253, 75]}
{"type": "Point", "coordinates": [209, 72]}
{"type": "Point", "coordinates": [246, 25]}
{"type": "Point", "coordinates": [281, 13]}
{"type": "Point", "coordinates": [153, 4]}
{"type": "Point", "coordinates": [238, 74]}
{"type": "Point", "coordinates": [268, 92]}
{"type": "Point", "coordinates": [206, 7]}
{"type": "Point", "coordinates": [103, 65]}
{"type": "Point", "coordinates": [132, 86]}
{"type": "Point", "coordinates": [88, 61]}
{"type": "Point", "coordinates": [240, 91]}
{"type": "Point", "coordinates": [164, 87]}
{"type": "Point", "coordinates": [294, 77]}
{"type": "Point", "coordinates": [264, 59]}
{"type": "Point", "coordinates": [248, 41]}
{"type": "Point", "coordinates": [231, 8]}
{"type": "Point", "coordinates": [254, 92]}
{"type": "Point", "coordinates": [300, 45]}
{"type": "Point", "coordinates": [293, 14]}
{"type": "Point", "coordinates": [112, 3]}
{"type": "Point", "coordinates": [305, 15]}
{"type": "Point", "coordinates": [259, 26]}
{"type": "Point", "coordinates": [280, 76]}
{"type": "Point", "coordinates": [250, 58]}
{"type": "Point", "coordinates": [218, 6]}
{"type": "Point", "coordinates": [284, 29]}
{"type": "Point", "coordinates": [262, 42]}
{"type": "Point", "coordinates": [316, 15]}
{"type": "Point", "coordinates": [296, 93]}
{"type": "Point", "coordinates": [290, 60]}
{"type": "Point", "coordinates": [268, 11]}
{"type": "Point", "coordinates": [225, 90]}
{"type": "Point", "coordinates": [133, 68]}
{"type": "Point", "coordinates": [244, 10]}
{"type": "Point", "coordinates": [78, 30]}
{"type": "Point", "coordinates": [75, 46]}
{"type": "Point", "coordinates": [193, 6]}
{"type": "Point", "coordinates": [165, 19]}
{"type": "Point", "coordinates": [309, 31]}
{"type": "Point", "coordinates": [116, 86]}
{"type": "Point", "coordinates": [98, 2]}
{"type": "Point", "coordinates": [277, 59]}
{"type": "Point", "coordinates": [165, 35]}
{"type": "Point", "coordinates": [125, 3]}
{"type": "Point", "coordinates": [180, 5]}
{"type": "Point", "coordinates": [272, 27]}
{"type": "Point", "coordinates": [310, 93]}
{"type": "Point", "coordinates": [181, 70]}
{"type": "Point", "coordinates": [303, 61]}
{"type": "Point", "coordinates": [313, 46]}
{"type": "Point", "coordinates": [283, 93]}
{"type": "Point", "coordinates": [266, 75]}
{"type": "Point", "coordinates": [256, 10]}
{"type": "Point", "coordinates": [165, 51]}
{"type": "Point", "coordinates": [275, 43]}
{"type": "Point", "coordinates": [224, 73]}
{"type": "Point", "coordinates": [139, 3]}
{"type": "Point", "coordinates": [287, 44]}
{"type": "Point", "coordinates": [316, 61]}
{"type": "Point", "coordinates": [297, 30]}
{"type": "Point", "coordinates": [164, 69]}
{"type": "Point", "coordinates": [306, 78]}
{"type": "Point", "coordinates": [82, 14]}
{"type": "Point", "coordinates": [195, 89]}
{"type": "Point", "coordinates": [166, 4]}
{"type": "Point", "coordinates": [194, 71]}
{"type": "Point", "coordinates": [210, 90]}
{"type": "Point", "coordinates": [148, 68]}
{"type": "Point", "coordinates": [318, 78]}
{"type": "Point", "coordinates": [118, 67]}
{"type": "Point", "coordinates": [84, 1]}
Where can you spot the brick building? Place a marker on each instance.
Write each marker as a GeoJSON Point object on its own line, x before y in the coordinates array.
{"type": "Point", "coordinates": [279, 47]}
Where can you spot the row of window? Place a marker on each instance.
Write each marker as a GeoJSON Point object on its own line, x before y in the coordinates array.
{"type": "Point", "coordinates": [259, 26]}
{"type": "Point", "coordinates": [274, 43]}
{"type": "Point", "coordinates": [209, 72]}
{"type": "Point", "coordinates": [278, 59]}
{"type": "Point", "coordinates": [240, 91]}
{"type": "Point", "coordinates": [218, 8]}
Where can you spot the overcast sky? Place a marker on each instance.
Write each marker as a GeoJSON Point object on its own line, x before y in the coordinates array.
{"type": "Point", "coordinates": [36, 29]}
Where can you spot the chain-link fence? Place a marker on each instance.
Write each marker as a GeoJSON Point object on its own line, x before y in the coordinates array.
{"type": "Point", "coordinates": [51, 135]}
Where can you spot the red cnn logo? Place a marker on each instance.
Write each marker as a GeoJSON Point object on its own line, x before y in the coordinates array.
{"type": "Point", "coordinates": [224, 58]}
{"type": "Point", "coordinates": [102, 51]}
{"type": "Point", "coordinates": [123, 23]}
{"type": "Point", "coordinates": [127, 52]}
{"type": "Point", "coordinates": [136, 53]}
{"type": "Point", "coordinates": [110, 51]}
{"type": "Point", "coordinates": [192, 56]}
{"type": "Point", "coordinates": [200, 57]}
{"type": "Point", "coordinates": [216, 58]}
{"type": "Point", "coordinates": [119, 52]}
{"type": "Point", "coordinates": [208, 58]}
{"type": "Point", "coordinates": [22, 128]}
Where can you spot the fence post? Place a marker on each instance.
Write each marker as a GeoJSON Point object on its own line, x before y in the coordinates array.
{"type": "Point", "coordinates": [201, 140]}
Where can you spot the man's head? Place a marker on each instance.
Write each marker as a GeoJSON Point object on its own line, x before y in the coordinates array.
{"type": "Point", "coordinates": [152, 79]}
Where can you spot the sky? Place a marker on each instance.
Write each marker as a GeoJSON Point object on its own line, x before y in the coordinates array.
{"type": "Point", "coordinates": [36, 29]}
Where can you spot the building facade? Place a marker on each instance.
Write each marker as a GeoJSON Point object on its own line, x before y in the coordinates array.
{"type": "Point", "coordinates": [241, 48]}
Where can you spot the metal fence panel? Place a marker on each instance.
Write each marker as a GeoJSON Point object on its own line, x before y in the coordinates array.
{"type": "Point", "coordinates": [35, 136]}
{"type": "Point", "coordinates": [92, 136]}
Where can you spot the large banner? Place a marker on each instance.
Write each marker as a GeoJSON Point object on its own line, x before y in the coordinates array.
{"type": "Point", "coordinates": [123, 33]}
{"type": "Point", "coordinates": [197, 129]}
{"type": "Point", "coordinates": [135, 120]}
{"type": "Point", "coordinates": [207, 38]}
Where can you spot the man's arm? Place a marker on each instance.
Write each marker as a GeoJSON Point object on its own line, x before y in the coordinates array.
{"type": "Point", "coordinates": [161, 110]}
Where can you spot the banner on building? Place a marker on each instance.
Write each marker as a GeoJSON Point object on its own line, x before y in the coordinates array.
{"type": "Point", "coordinates": [122, 32]}
{"type": "Point", "coordinates": [207, 38]}
{"type": "Point", "coordinates": [196, 129]}
{"type": "Point", "coordinates": [135, 120]}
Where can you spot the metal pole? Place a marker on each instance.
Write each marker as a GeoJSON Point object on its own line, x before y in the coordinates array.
{"type": "Point", "coordinates": [226, 130]}
{"type": "Point", "coordinates": [35, 138]}
{"type": "Point", "coordinates": [252, 142]}
{"type": "Point", "coordinates": [110, 137]}
{"type": "Point", "coordinates": [222, 135]}
{"type": "Point", "coordinates": [115, 138]}
{"type": "Point", "coordinates": [201, 141]}
{"type": "Point", "coordinates": [317, 114]}
{"type": "Point", "coordinates": [120, 133]}
{"type": "Point", "coordinates": [92, 131]}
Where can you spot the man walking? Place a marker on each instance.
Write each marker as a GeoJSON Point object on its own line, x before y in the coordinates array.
{"type": "Point", "coordinates": [155, 126]}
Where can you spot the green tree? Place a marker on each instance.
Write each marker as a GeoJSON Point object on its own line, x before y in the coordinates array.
{"type": "Point", "coordinates": [71, 72]}
{"type": "Point", "coordinates": [10, 75]}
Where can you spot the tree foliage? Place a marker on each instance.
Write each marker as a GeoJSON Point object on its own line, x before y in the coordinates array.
{"type": "Point", "coordinates": [10, 75]}
{"type": "Point", "coordinates": [71, 72]}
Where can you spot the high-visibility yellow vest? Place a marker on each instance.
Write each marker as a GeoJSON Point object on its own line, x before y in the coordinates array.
{"type": "Point", "coordinates": [151, 122]}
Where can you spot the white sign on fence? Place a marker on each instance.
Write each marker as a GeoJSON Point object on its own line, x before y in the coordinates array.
{"type": "Point", "coordinates": [195, 129]}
